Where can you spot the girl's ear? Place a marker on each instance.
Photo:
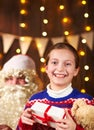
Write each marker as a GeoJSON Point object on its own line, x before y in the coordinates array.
{"type": "Point", "coordinates": [76, 71]}
{"type": "Point", "coordinates": [46, 68]}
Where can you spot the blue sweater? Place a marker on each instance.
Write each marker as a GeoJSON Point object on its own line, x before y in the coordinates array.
{"type": "Point", "coordinates": [63, 102]}
{"type": "Point", "coordinates": [60, 102]}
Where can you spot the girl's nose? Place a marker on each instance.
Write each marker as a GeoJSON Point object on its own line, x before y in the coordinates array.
{"type": "Point", "coordinates": [61, 67]}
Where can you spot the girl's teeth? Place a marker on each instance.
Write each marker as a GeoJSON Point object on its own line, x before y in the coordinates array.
{"type": "Point", "coordinates": [58, 75]}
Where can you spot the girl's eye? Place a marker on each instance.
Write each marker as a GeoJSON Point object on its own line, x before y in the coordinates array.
{"type": "Point", "coordinates": [68, 64]}
{"type": "Point", "coordinates": [54, 62]}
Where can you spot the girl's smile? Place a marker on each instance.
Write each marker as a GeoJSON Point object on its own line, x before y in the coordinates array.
{"type": "Point", "coordinates": [59, 75]}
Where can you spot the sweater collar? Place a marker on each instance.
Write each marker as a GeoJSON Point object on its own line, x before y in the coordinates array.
{"type": "Point", "coordinates": [61, 93]}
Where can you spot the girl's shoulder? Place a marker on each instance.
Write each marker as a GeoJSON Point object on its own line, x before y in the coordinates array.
{"type": "Point", "coordinates": [39, 95]}
{"type": "Point", "coordinates": [77, 94]}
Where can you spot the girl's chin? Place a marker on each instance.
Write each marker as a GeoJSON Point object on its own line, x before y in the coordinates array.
{"type": "Point", "coordinates": [59, 83]}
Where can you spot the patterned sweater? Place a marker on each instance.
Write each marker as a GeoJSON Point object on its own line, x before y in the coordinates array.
{"type": "Point", "coordinates": [62, 102]}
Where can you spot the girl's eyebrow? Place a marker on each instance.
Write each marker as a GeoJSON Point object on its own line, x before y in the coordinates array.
{"type": "Point", "coordinates": [53, 59]}
{"type": "Point", "coordinates": [70, 61]}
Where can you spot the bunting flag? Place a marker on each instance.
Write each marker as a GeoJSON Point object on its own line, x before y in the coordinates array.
{"type": "Point", "coordinates": [12, 50]}
{"type": "Point", "coordinates": [24, 44]}
{"type": "Point", "coordinates": [41, 44]}
{"type": "Point", "coordinates": [38, 47]}
{"type": "Point", "coordinates": [89, 38]}
{"type": "Point", "coordinates": [57, 39]}
{"type": "Point", "coordinates": [73, 40]}
{"type": "Point", "coordinates": [7, 41]}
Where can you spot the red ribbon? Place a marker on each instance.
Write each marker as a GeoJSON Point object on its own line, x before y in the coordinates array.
{"type": "Point", "coordinates": [46, 119]}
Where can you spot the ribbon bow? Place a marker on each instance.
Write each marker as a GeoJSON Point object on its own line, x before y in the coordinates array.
{"type": "Point", "coordinates": [46, 119]}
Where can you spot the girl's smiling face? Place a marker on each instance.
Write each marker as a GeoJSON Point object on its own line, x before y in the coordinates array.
{"type": "Point", "coordinates": [61, 68]}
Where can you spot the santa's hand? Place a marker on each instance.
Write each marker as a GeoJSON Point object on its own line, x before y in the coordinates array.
{"type": "Point", "coordinates": [26, 117]}
{"type": "Point", "coordinates": [66, 124]}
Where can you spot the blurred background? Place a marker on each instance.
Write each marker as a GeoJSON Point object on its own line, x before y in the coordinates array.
{"type": "Point", "coordinates": [31, 26]}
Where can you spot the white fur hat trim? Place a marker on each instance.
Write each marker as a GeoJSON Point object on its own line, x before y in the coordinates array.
{"type": "Point", "coordinates": [19, 62]}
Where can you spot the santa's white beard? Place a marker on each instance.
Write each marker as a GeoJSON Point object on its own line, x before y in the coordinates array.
{"type": "Point", "coordinates": [12, 101]}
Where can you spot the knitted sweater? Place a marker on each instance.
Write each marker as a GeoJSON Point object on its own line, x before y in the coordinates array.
{"type": "Point", "coordinates": [62, 102]}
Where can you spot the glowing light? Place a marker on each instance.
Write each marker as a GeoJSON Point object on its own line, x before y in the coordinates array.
{"type": "Point", "coordinates": [42, 8]}
{"type": "Point", "coordinates": [83, 40]}
{"type": "Point", "coordinates": [22, 38]}
{"type": "Point", "coordinates": [82, 53]}
{"type": "Point", "coordinates": [23, 12]}
{"type": "Point", "coordinates": [22, 1]}
{"type": "Point", "coordinates": [84, 2]}
{"type": "Point", "coordinates": [44, 34]}
{"type": "Point", "coordinates": [87, 28]}
{"type": "Point", "coordinates": [83, 90]}
{"type": "Point", "coordinates": [43, 69]}
{"type": "Point", "coordinates": [42, 60]}
{"type": "Point", "coordinates": [66, 33]}
{"type": "Point", "coordinates": [86, 15]}
{"type": "Point", "coordinates": [86, 67]}
{"type": "Point", "coordinates": [39, 45]}
{"type": "Point", "coordinates": [61, 7]}
{"type": "Point", "coordinates": [18, 50]}
{"type": "Point", "coordinates": [65, 20]}
{"type": "Point", "coordinates": [23, 25]}
{"type": "Point", "coordinates": [45, 21]}
{"type": "Point", "coordinates": [86, 79]}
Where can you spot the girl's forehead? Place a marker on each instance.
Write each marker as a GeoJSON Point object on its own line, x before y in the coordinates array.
{"type": "Point", "coordinates": [61, 52]}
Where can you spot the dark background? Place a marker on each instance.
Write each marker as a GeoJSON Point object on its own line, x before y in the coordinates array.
{"type": "Point", "coordinates": [10, 18]}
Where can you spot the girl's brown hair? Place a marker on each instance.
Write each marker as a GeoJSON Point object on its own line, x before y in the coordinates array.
{"type": "Point", "coordinates": [64, 45]}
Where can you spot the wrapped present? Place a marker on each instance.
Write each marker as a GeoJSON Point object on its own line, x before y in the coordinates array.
{"type": "Point", "coordinates": [46, 114]}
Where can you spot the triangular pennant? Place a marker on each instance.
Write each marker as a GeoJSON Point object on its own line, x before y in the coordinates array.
{"type": "Point", "coordinates": [73, 40]}
{"type": "Point", "coordinates": [24, 44]}
{"type": "Point", "coordinates": [89, 38]}
{"type": "Point", "coordinates": [7, 41]}
{"type": "Point", "coordinates": [12, 50]}
{"type": "Point", "coordinates": [41, 44]}
{"type": "Point", "coordinates": [57, 39]}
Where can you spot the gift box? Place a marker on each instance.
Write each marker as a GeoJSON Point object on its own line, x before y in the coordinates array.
{"type": "Point", "coordinates": [46, 114]}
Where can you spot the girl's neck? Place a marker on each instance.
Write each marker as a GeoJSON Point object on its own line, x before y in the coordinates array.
{"type": "Point", "coordinates": [60, 93]}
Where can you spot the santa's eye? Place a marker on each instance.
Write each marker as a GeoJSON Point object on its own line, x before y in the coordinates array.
{"type": "Point", "coordinates": [9, 78]}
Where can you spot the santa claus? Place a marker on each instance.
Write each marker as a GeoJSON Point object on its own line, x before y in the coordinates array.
{"type": "Point", "coordinates": [18, 81]}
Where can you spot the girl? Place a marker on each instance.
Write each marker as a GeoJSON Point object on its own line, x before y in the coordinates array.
{"type": "Point", "coordinates": [62, 64]}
